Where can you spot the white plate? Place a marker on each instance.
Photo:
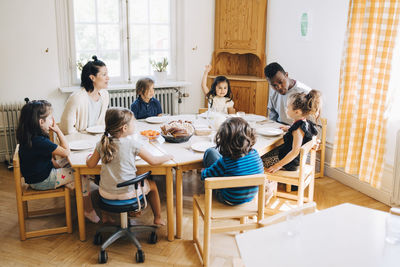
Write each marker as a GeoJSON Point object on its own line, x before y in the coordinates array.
{"type": "Point", "coordinates": [96, 129]}
{"type": "Point", "coordinates": [269, 131]}
{"type": "Point", "coordinates": [156, 119]}
{"type": "Point", "coordinates": [202, 146]}
{"type": "Point", "coordinates": [212, 114]}
{"type": "Point", "coordinates": [81, 144]}
{"type": "Point", "coordinates": [254, 117]}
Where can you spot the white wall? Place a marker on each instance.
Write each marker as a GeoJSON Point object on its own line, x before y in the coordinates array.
{"type": "Point", "coordinates": [195, 46]}
{"type": "Point", "coordinates": [27, 29]}
{"type": "Point", "coordinates": [316, 61]}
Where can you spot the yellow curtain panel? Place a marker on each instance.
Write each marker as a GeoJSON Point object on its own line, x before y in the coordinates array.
{"type": "Point", "coordinates": [364, 80]}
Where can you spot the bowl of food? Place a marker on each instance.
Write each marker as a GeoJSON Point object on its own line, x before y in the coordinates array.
{"type": "Point", "coordinates": [177, 131]}
{"type": "Point", "coordinates": [150, 134]}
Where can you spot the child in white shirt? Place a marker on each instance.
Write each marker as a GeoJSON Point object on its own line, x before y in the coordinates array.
{"type": "Point", "coordinates": [220, 96]}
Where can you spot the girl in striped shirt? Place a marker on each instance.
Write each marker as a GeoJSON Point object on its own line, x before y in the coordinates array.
{"type": "Point", "coordinates": [233, 156]}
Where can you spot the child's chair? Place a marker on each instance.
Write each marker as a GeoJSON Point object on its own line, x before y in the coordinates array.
{"type": "Point", "coordinates": [303, 177]}
{"type": "Point", "coordinates": [321, 148]}
{"type": "Point", "coordinates": [24, 194]}
{"type": "Point", "coordinates": [212, 210]}
{"type": "Point", "coordinates": [202, 110]}
{"type": "Point", "coordinates": [123, 207]}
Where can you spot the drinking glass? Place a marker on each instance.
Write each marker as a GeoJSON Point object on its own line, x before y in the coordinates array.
{"type": "Point", "coordinates": [293, 222]}
{"type": "Point", "coordinates": [393, 226]}
{"type": "Point", "coordinates": [241, 114]}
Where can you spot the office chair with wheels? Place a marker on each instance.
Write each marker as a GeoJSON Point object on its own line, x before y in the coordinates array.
{"type": "Point", "coordinates": [125, 230]}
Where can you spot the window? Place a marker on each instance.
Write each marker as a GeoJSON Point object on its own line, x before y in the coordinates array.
{"type": "Point", "coordinates": [126, 35]}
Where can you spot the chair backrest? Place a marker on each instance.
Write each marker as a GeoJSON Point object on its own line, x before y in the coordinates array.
{"type": "Point", "coordinates": [202, 110]}
{"type": "Point", "coordinates": [17, 171]}
{"type": "Point", "coordinates": [308, 147]}
{"type": "Point", "coordinates": [237, 181]}
{"type": "Point", "coordinates": [281, 217]}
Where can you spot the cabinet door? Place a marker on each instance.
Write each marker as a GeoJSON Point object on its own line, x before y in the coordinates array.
{"type": "Point", "coordinates": [243, 96]}
{"type": "Point", "coordinates": [238, 24]}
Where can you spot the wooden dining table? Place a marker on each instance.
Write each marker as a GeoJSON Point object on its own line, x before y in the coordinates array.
{"type": "Point", "coordinates": [185, 158]}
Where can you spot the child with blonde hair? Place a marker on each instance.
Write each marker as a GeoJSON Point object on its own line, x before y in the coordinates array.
{"type": "Point", "coordinates": [117, 151]}
{"type": "Point", "coordinates": [300, 106]}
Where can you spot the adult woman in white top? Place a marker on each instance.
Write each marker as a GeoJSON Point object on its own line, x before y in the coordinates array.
{"type": "Point", "coordinates": [87, 107]}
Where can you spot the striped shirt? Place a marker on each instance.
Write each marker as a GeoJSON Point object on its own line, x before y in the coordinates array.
{"type": "Point", "coordinates": [246, 165]}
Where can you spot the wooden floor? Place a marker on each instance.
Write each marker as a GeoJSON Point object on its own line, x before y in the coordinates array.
{"type": "Point", "coordinates": [67, 250]}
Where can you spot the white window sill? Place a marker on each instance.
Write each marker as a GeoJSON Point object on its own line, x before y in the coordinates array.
{"type": "Point", "coordinates": [111, 87]}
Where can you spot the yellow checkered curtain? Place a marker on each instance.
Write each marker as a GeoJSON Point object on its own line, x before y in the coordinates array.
{"type": "Point", "coordinates": [364, 80]}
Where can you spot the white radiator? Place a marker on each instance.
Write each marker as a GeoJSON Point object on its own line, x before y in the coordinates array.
{"type": "Point", "coordinates": [9, 115]}
{"type": "Point", "coordinates": [395, 198]}
{"type": "Point", "coordinates": [167, 97]}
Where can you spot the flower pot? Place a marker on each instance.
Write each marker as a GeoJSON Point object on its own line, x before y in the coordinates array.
{"type": "Point", "coordinates": [160, 76]}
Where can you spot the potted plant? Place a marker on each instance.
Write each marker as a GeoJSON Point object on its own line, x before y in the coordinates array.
{"type": "Point", "coordinates": [160, 69]}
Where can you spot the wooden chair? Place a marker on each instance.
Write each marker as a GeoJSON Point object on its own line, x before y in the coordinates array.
{"type": "Point", "coordinates": [202, 110]}
{"type": "Point", "coordinates": [321, 148]}
{"type": "Point", "coordinates": [302, 178]}
{"type": "Point", "coordinates": [24, 194]}
{"type": "Point", "coordinates": [281, 217]}
{"type": "Point", "coordinates": [212, 210]}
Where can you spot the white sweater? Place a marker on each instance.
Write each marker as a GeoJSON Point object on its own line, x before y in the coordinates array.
{"type": "Point", "coordinates": [76, 111]}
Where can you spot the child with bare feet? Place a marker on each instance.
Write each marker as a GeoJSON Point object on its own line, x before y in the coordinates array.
{"type": "Point", "coordinates": [117, 151]}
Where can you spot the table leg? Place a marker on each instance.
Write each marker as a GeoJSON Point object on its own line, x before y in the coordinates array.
{"type": "Point", "coordinates": [79, 205]}
{"type": "Point", "coordinates": [179, 202]}
{"type": "Point", "coordinates": [170, 203]}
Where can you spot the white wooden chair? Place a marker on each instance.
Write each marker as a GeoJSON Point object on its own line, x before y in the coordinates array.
{"type": "Point", "coordinates": [303, 177]}
{"type": "Point", "coordinates": [212, 210]}
{"type": "Point", "coordinates": [24, 195]}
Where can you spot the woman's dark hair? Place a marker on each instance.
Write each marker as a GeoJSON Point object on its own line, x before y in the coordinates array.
{"type": "Point", "coordinates": [271, 69]}
{"type": "Point", "coordinates": [213, 90]}
{"type": "Point", "coordinates": [28, 125]}
{"type": "Point", "coordinates": [235, 138]}
{"type": "Point", "coordinates": [142, 85]}
{"type": "Point", "coordinates": [90, 68]}
{"type": "Point", "coordinates": [309, 104]}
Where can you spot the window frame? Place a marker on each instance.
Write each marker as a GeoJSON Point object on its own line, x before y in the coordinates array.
{"type": "Point", "coordinates": [67, 52]}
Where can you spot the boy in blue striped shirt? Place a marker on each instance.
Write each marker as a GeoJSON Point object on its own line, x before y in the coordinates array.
{"type": "Point", "coordinates": [233, 156]}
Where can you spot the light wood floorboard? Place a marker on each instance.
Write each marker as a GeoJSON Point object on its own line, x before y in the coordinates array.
{"type": "Point", "coordinates": [67, 250]}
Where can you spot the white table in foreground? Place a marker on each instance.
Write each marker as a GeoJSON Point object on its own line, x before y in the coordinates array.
{"type": "Point", "coordinates": [344, 235]}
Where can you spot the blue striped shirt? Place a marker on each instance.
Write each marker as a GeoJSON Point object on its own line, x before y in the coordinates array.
{"type": "Point", "coordinates": [246, 165]}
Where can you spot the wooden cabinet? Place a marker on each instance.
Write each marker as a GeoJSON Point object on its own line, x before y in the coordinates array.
{"type": "Point", "coordinates": [240, 26]}
{"type": "Point", "coordinates": [239, 52]}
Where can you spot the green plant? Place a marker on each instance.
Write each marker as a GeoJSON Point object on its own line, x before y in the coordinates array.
{"type": "Point", "coordinates": [159, 66]}
{"type": "Point", "coordinates": [81, 62]}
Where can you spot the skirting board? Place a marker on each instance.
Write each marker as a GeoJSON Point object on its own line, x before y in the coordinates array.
{"type": "Point", "coordinates": [382, 195]}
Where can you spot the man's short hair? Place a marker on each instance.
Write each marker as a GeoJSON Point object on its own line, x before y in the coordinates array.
{"type": "Point", "coordinates": [271, 69]}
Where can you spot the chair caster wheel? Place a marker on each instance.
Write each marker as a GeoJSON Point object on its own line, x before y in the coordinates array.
{"type": "Point", "coordinates": [153, 238]}
{"type": "Point", "coordinates": [98, 239]}
{"type": "Point", "coordinates": [139, 256]}
{"type": "Point", "coordinates": [103, 257]}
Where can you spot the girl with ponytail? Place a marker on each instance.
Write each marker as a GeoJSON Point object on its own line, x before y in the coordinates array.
{"type": "Point", "coordinates": [300, 106]}
{"type": "Point", "coordinates": [117, 151]}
